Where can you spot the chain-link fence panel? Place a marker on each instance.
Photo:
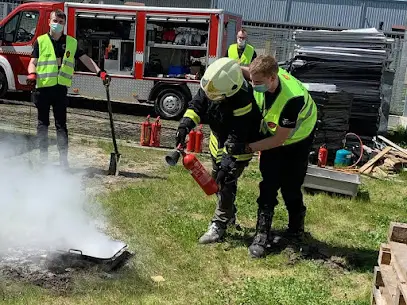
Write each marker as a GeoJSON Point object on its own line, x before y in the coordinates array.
{"type": "Point", "coordinates": [278, 42]}
{"type": "Point", "coordinates": [399, 84]}
{"type": "Point", "coordinates": [7, 6]}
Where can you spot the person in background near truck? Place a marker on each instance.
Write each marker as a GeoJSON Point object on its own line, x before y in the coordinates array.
{"type": "Point", "coordinates": [225, 101]}
{"type": "Point", "coordinates": [51, 70]}
{"type": "Point", "coordinates": [289, 120]}
{"type": "Point", "coordinates": [241, 51]}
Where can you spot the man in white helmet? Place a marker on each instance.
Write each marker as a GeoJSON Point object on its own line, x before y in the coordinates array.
{"type": "Point", "coordinates": [225, 101]}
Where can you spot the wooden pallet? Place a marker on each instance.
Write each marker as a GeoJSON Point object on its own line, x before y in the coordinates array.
{"type": "Point", "coordinates": [390, 276]}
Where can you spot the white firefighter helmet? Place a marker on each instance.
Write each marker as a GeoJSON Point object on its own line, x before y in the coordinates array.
{"type": "Point", "coordinates": [223, 78]}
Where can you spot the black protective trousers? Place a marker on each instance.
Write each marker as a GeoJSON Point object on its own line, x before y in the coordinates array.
{"type": "Point", "coordinates": [226, 208]}
{"type": "Point", "coordinates": [44, 98]}
{"type": "Point", "coordinates": [284, 168]}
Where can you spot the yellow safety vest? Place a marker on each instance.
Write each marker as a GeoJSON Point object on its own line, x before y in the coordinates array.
{"type": "Point", "coordinates": [47, 66]}
{"type": "Point", "coordinates": [290, 88]}
{"type": "Point", "coordinates": [247, 54]}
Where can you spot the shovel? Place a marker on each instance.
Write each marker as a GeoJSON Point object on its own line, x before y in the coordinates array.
{"type": "Point", "coordinates": [114, 156]}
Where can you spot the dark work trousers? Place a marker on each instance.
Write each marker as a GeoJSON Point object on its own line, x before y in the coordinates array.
{"type": "Point", "coordinates": [56, 97]}
{"type": "Point", "coordinates": [226, 208]}
{"type": "Point", "coordinates": [284, 168]}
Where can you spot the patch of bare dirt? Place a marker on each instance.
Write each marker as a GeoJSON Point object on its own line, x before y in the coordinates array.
{"type": "Point", "coordinates": [23, 115]}
{"type": "Point", "coordinates": [307, 248]}
{"type": "Point", "coordinates": [92, 163]}
{"type": "Point", "coordinates": [53, 271]}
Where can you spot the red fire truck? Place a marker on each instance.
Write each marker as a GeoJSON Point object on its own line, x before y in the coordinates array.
{"type": "Point", "coordinates": [155, 55]}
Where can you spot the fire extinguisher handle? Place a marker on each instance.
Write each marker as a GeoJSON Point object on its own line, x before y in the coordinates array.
{"type": "Point", "coordinates": [180, 147]}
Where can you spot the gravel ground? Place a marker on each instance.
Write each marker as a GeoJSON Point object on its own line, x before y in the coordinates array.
{"type": "Point", "coordinates": [89, 118]}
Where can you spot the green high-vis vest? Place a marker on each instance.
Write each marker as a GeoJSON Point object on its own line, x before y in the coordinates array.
{"type": "Point", "coordinates": [47, 65]}
{"type": "Point", "coordinates": [247, 54]}
{"type": "Point", "coordinates": [290, 88]}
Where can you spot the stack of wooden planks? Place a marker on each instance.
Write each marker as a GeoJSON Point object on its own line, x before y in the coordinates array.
{"type": "Point", "coordinates": [389, 161]}
{"type": "Point", "coordinates": [390, 276]}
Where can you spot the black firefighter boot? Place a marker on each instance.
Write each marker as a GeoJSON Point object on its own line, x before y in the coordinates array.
{"type": "Point", "coordinates": [259, 245]}
{"type": "Point", "coordinates": [295, 229]}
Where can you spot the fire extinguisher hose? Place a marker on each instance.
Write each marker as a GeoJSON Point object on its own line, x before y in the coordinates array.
{"type": "Point", "coordinates": [361, 148]}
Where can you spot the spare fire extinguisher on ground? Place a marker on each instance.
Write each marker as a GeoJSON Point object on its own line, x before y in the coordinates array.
{"type": "Point", "coordinates": [198, 140]}
{"type": "Point", "coordinates": [191, 141]}
{"type": "Point", "coordinates": [196, 169]}
{"type": "Point", "coordinates": [145, 134]}
{"type": "Point", "coordinates": [155, 133]}
{"type": "Point", "coordinates": [322, 156]}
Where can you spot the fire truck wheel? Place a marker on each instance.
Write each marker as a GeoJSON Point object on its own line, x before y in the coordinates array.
{"type": "Point", "coordinates": [170, 104]}
{"type": "Point", "coordinates": [3, 84]}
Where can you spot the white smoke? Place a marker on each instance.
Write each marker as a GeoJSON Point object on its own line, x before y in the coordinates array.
{"type": "Point", "coordinates": [47, 209]}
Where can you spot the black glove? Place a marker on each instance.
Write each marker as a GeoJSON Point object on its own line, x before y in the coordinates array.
{"type": "Point", "coordinates": [184, 127]}
{"type": "Point", "coordinates": [238, 148]}
{"type": "Point", "coordinates": [226, 168]}
{"type": "Point", "coordinates": [181, 135]}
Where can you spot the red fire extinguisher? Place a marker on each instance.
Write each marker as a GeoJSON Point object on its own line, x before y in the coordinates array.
{"type": "Point", "coordinates": [198, 140]}
{"type": "Point", "coordinates": [155, 133]}
{"type": "Point", "coordinates": [199, 173]}
{"type": "Point", "coordinates": [191, 140]}
{"type": "Point", "coordinates": [322, 156]}
{"type": "Point", "coordinates": [145, 132]}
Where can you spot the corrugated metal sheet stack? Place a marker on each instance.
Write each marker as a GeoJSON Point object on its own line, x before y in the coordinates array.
{"type": "Point", "coordinates": [353, 60]}
{"type": "Point", "coordinates": [333, 116]}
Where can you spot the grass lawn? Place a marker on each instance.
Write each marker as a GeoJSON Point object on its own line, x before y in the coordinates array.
{"type": "Point", "coordinates": [162, 219]}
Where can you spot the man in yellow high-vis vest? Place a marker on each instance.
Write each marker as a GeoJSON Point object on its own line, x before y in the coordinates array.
{"type": "Point", "coordinates": [241, 51]}
{"type": "Point", "coordinates": [51, 69]}
{"type": "Point", "coordinates": [289, 119]}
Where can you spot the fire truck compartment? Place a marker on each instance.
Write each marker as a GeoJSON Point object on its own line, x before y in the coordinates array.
{"type": "Point", "coordinates": [176, 49]}
{"type": "Point", "coordinates": [109, 42]}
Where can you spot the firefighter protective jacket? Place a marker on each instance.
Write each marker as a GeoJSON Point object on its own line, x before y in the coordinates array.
{"type": "Point", "coordinates": [235, 119]}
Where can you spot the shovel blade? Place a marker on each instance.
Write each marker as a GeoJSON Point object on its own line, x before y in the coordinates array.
{"type": "Point", "coordinates": [114, 164]}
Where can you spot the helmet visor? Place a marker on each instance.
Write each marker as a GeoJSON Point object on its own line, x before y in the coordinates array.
{"type": "Point", "coordinates": [215, 97]}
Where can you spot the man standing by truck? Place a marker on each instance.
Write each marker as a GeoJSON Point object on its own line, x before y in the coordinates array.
{"type": "Point", "coordinates": [225, 101]}
{"type": "Point", "coordinates": [289, 119]}
{"type": "Point", "coordinates": [51, 70]}
{"type": "Point", "coordinates": [241, 51]}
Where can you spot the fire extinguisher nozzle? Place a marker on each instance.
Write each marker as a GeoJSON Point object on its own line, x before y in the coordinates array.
{"type": "Point", "coordinates": [172, 157]}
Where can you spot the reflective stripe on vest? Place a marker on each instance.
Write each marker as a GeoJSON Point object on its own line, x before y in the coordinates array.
{"type": "Point", "coordinates": [47, 65]}
{"type": "Point", "coordinates": [290, 88]}
{"type": "Point", "coordinates": [246, 57]}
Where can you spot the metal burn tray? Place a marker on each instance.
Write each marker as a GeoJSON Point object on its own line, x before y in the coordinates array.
{"type": "Point", "coordinates": [113, 258]}
{"type": "Point", "coordinates": [329, 180]}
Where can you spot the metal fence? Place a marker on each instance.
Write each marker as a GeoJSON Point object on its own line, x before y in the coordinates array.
{"type": "Point", "coordinates": [7, 6]}
{"type": "Point", "coordinates": [277, 40]}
